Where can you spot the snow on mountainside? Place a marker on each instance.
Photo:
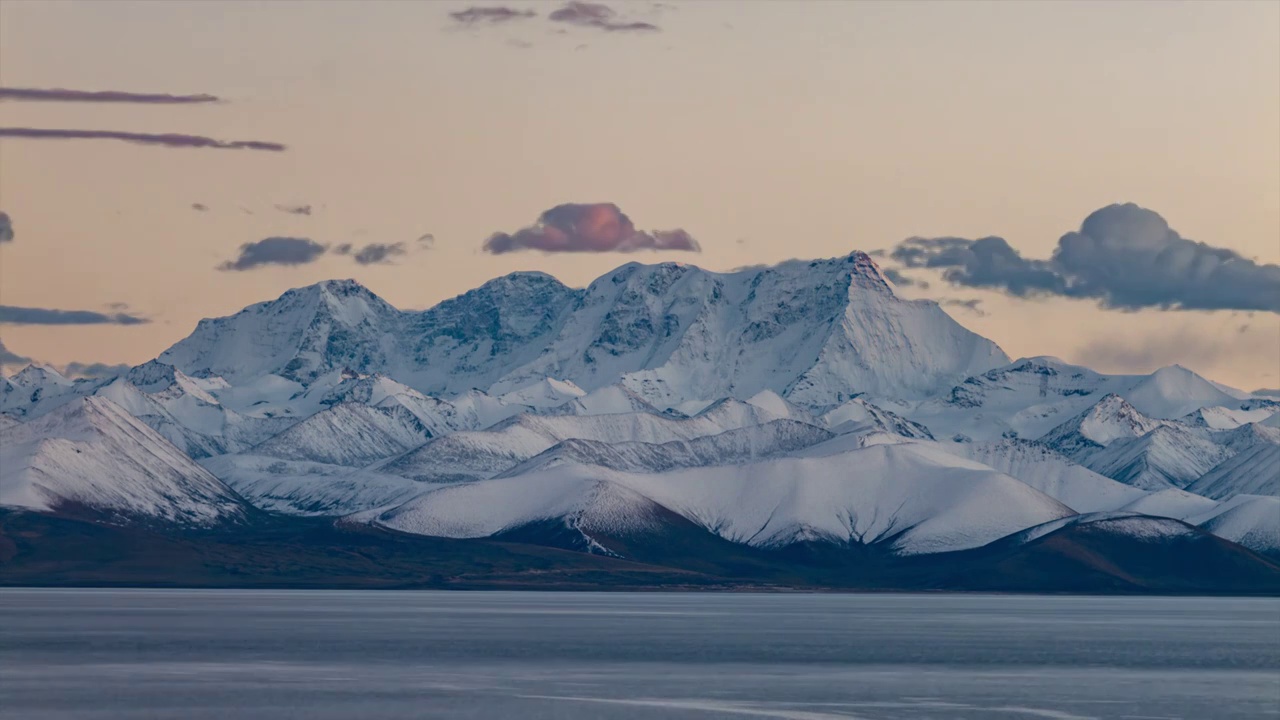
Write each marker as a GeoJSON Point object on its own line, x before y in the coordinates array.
{"type": "Point", "coordinates": [1025, 399]}
{"type": "Point", "coordinates": [1167, 456]}
{"type": "Point", "coordinates": [298, 487]}
{"type": "Point", "coordinates": [860, 417]}
{"type": "Point", "coordinates": [481, 454]}
{"type": "Point", "coordinates": [1074, 485]}
{"type": "Point", "coordinates": [1174, 391]}
{"type": "Point", "coordinates": [91, 452]}
{"type": "Point", "coordinates": [1222, 418]}
{"type": "Point", "coordinates": [732, 447]}
{"type": "Point", "coordinates": [1251, 520]}
{"type": "Point", "coordinates": [908, 498]}
{"type": "Point", "coordinates": [815, 332]}
{"type": "Point", "coordinates": [608, 400]}
{"type": "Point", "coordinates": [1173, 503]}
{"type": "Point", "coordinates": [545, 393]}
{"type": "Point", "coordinates": [1253, 471]}
{"type": "Point", "coordinates": [1109, 420]}
{"type": "Point", "coordinates": [303, 334]}
{"type": "Point", "coordinates": [349, 434]}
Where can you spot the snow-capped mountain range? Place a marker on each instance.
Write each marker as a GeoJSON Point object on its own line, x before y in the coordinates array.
{"type": "Point", "coordinates": [800, 403]}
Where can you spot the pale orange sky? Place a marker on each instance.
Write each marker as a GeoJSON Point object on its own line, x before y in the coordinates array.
{"type": "Point", "coordinates": [768, 130]}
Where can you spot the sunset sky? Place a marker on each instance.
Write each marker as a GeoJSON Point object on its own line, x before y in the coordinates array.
{"type": "Point", "coordinates": [414, 132]}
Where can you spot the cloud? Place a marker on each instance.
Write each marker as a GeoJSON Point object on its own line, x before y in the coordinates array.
{"type": "Point", "coordinates": [199, 207]}
{"type": "Point", "coordinates": [591, 227]}
{"type": "Point", "coordinates": [94, 370]}
{"type": "Point", "coordinates": [173, 140]}
{"type": "Point", "coordinates": [490, 15]}
{"type": "Point", "coordinates": [11, 315]}
{"type": "Point", "coordinates": [595, 15]}
{"type": "Point", "coordinates": [8, 357]}
{"type": "Point", "coordinates": [897, 278]}
{"type": "Point", "coordinates": [1124, 256]}
{"type": "Point", "coordinates": [373, 253]}
{"type": "Point", "coordinates": [972, 305]}
{"type": "Point", "coordinates": [294, 209]}
{"type": "Point", "coordinates": [6, 228]}
{"type": "Point", "coordinates": [275, 251]}
{"type": "Point", "coordinates": [427, 240]}
{"type": "Point", "coordinates": [102, 96]}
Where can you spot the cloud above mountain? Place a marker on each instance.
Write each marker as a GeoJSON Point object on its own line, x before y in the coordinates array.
{"type": "Point", "coordinates": [101, 96]}
{"type": "Point", "coordinates": [94, 370]}
{"type": "Point", "coordinates": [292, 251]}
{"type": "Point", "coordinates": [6, 228]}
{"type": "Point", "coordinates": [13, 315]}
{"type": "Point", "coordinates": [275, 251]}
{"type": "Point", "coordinates": [588, 227]}
{"type": "Point", "coordinates": [169, 140]}
{"type": "Point", "coordinates": [1123, 256]}
{"type": "Point", "coordinates": [294, 209]}
{"type": "Point", "coordinates": [373, 253]}
{"type": "Point", "coordinates": [598, 16]}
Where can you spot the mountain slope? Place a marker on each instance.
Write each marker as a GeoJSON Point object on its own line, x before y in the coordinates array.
{"type": "Point", "coordinates": [906, 498]}
{"type": "Point", "coordinates": [1254, 471]}
{"type": "Point", "coordinates": [349, 434]}
{"type": "Point", "coordinates": [1074, 485]}
{"type": "Point", "coordinates": [90, 453]}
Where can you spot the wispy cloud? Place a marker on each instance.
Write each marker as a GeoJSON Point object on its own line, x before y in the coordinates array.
{"type": "Point", "coordinates": [294, 209]}
{"type": "Point", "coordinates": [12, 315]}
{"type": "Point", "coordinates": [591, 227]}
{"type": "Point", "coordinates": [598, 16]}
{"type": "Point", "coordinates": [199, 207]}
{"type": "Point", "coordinates": [94, 370]}
{"type": "Point", "coordinates": [973, 305]}
{"type": "Point", "coordinates": [275, 251]}
{"type": "Point", "coordinates": [897, 278]}
{"type": "Point", "coordinates": [373, 253]}
{"type": "Point", "coordinates": [1124, 256]}
{"type": "Point", "coordinates": [490, 15]}
{"type": "Point", "coordinates": [6, 228]}
{"type": "Point", "coordinates": [172, 140]}
{"type": "Point", "coordinates": [101, 96]}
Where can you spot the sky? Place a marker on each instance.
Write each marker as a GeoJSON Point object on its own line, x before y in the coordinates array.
{"type": "Point", "coordinates": [423, 148]}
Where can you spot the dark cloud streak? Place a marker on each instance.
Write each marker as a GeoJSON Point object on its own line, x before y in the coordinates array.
{"type": "Point", "coordinates": [101, 96]}
{"type": "Point", "coordinates": [172, 140]}
{"type": "Point", "coordinates": [595, 15]}
{"type": "Point", "coordinates": [12, 315]}
{"type": "Point", "coordinates": [490, 15]}
{"type": "Point", "coordinates": [6, 228]}
{"type": "Point", "coordinates": [287, 251]}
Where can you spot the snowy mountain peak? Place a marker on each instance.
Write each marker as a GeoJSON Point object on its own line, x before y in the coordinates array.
{"type": "Point", "coordinates": [1174, 391]}
{"type": "Point", "coordinates": [1110, 419]}
{"type": "Point", "coordinates": [37, 375]}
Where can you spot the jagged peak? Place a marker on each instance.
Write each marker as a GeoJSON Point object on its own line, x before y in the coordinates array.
{"type": "Point", "coordinates": [38, 374]}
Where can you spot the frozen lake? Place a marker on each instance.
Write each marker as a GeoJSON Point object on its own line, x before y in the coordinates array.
{"type": "Point", "coordinates": [320, 655]}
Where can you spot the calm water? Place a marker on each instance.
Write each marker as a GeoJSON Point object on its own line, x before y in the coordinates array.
{"type": "Point", "coordinates": [322, 655]}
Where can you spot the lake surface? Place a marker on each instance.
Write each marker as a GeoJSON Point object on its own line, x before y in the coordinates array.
{"type": "Point", "coordinates": [351, 654]}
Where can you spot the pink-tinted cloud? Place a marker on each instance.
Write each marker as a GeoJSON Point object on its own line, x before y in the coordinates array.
{"type": "Point", "coordinates": [173, 140]}
{"type": "Point", "coordinates": [590, 227]}
{"type": "Point", "coordinates": [490, 15]}
{"type": "Point", "coordinates": [101, 96]}
{"type": "Point", "coordinates": [595, 15]}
